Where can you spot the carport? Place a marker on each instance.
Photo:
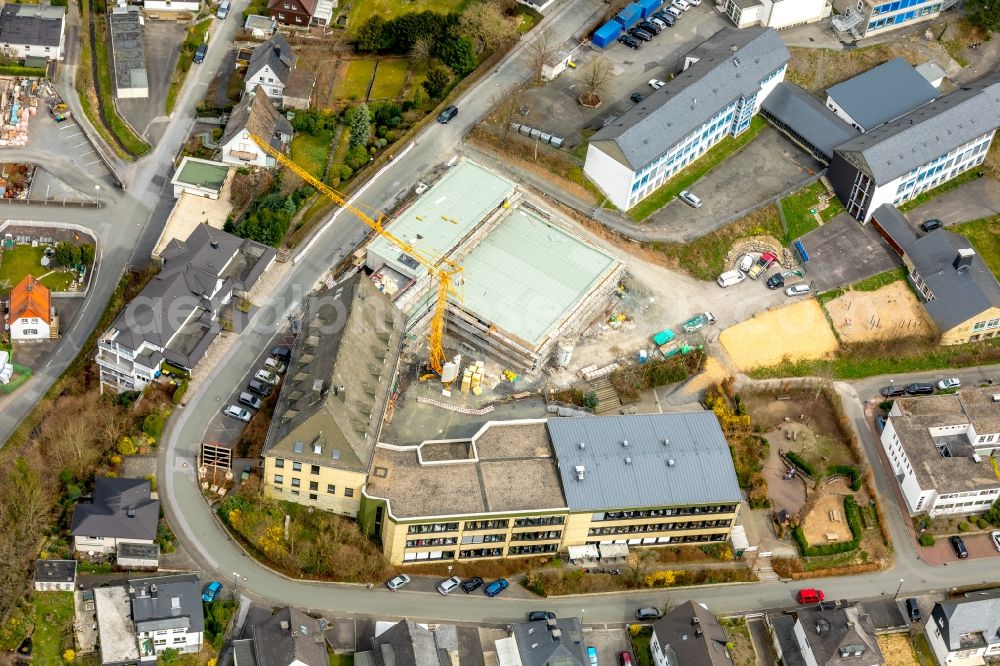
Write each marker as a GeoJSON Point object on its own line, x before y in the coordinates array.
{"type": "Point", "coordinates": [588, 552]}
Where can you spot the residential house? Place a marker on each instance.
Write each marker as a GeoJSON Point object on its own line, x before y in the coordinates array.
{"type": "Point", "coordinates": [689, 635]}
{"type": "Point", "coordinates": [871, 18]}
{"type": "Point", "coordinates": [33, 31]}
{"type": "Point", "coordinates": [544, 643]}
{"type": "Point", "coordinates": [939, 448]}
{"type": "Point", "coordinates": [829, 634]}
{"type": "Point", "coordinates": [55, 575]}
{"type": "Point", "coordinates": [721, 88]}
{"type": "Point", "coordinates": [328, 417]}
{"type": "Point", "coordinates": [272, 67]}
{"type": "Point", "coordinates": [154, 7]}
{"type": "Point", "coordinates": [30, 317]}
{"type": "Point", "coordinates": [880, 95]}
{"type": "Point", "coordinates": [254, 115]}
{"type": "Point", "coordinates": [775, 14]}
{"type": "Point", "coordinates": [176, 317]}
{"type": "Point", "coordinates": [538, 487]}
{"type": "Point", "coordinates": [406, 642]}
{"type": "Point", "coordinates": [964, 631]}
{"type": "Point", "coordinates": [302, 13]}
{"type": "Point", "coordinates": [960, 294]}
{"type": "Point", "coordinates": [287, 637]}
{"type": "Point", "coordinates": [119, 511]}
{"type": "Point", "coordinates": [138, 621]}
{"type": "Point", "coordinates": [200, 178]}
{"type": "Point", "coordinates": [922, 149]}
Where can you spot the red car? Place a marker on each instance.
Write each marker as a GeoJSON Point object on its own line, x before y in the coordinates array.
{"type": "Point", "coordinates": [809, 595]}
{"type": "Point", "coordinates": [625, 658]}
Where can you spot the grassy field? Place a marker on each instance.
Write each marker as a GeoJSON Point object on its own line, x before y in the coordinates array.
{"type": "Point", "coordinates": [874, 283]}
{"type": "Point", "coordinates": [924, 197]}
{"type": "Point", "coordinates": [985, 238]}
{"type": "Point", "coordinates": [50, 625]}
{"type": "Point", "coordinates": [362, 11]}
{"type": "Point", "coordinates": [389, 78]}
{"type": "Point", "coordinates": [796, 208]}
{"type": "Point", "coordinates": [712, 158]}
{"type": "Point", "coordinates": [311, 152]}
{"type": "Point", "coordinates": [354, 85]}
{"type": "Point", "coordinates": [816, 69]}
{"type": "Point", "coordinates": [195, 37]}
{"type": "Point", "coordinates": [22, 260]}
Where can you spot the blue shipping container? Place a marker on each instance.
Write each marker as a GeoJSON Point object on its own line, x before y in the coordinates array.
{"type": "Point", "coordinates": [630, 15]}
{"type": "Point", "coordinates": [606, 34]}
{"type": "Point", "coordinates": [648, 7]}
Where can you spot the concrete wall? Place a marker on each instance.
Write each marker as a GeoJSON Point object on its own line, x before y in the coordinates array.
{"type": "Point", "coordinates": [786, 13]}
{"type": "Point", "coordinates": [842, 114]}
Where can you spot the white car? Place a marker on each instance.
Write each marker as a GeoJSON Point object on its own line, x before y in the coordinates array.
{"type": "Point", "coordinates": [681, 4]}
{"type": "Point", "coordinates": [946, 384]}
{"type": "Point", "coordinates": [399, 581]}
{"type": "Point", "coordinates": [449, 584]}
{"type": "Point", "coordinates": [237, 413]}
{"type": "Point", "coordinates": [746, 263]}
{"type": "Point", "coordinates": [694, 3]}
{"type": "Point", "coordinates": [265, 376]}
{"type": "Point", "coordinates": [995, 537]}
{"type": "Point", "coordinates": [274, 365]}
{"type": "Point", "coordinates": [729, 278]}
{"type": "Point", "coordinates": [797, 290]}
{"type": "Point", "coordinates": [656, 84]}
{"type": "Point", "coordinates": [673, 11]}
{"type": "Point", "coordinates": [690, 199]}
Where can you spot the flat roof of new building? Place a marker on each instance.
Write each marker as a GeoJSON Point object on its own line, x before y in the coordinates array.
{"type": "Point", "coordinates": [527, 275]}
{"type": "Point", "coordinates": [127, 52]}
{"type": "Point", "coordinates": [440, 218]}
{"type": "Point", "coordinates": [114, 625]}
{"type": "Point", "coordinates": [205, 174]}
{"type": "Point", "coordinates": [973, 405]}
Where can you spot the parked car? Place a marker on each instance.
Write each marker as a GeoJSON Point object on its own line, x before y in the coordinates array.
{"type": "Point", "coordinates": [995, 538]}
{"type": "Point", "coordinates": [472, 584]}
{"type": "Point", "coordinates": [496, 587]}
{"type": "Point", "coordinates": [648, 614]}
{"type": "Point", "coordinates": [776, 281]}
{"type": "Point", "coordinates": [266, 377]}
{"type": "Point", "coordinates": [259, 387]}
{"type": "Point", "coordinates": [659, 21]}
{"type": "Point", "coordinates": [931, 224]}
{"type": "Point", "coordinates": [948, 384]}
{"type": "Point", "coordinates": [283, 354]}
{"type": "Point", "coordinates": [683, 5]}
{"type": "Point", "coordinates": [694, 3]}
{"type": "Point", "coordinates": [698, 321]}
{"type": "Point", "coordinates": [223, 10]}
{"type": "Point", "coordinates": [650, 27]}
{"type": "Point", "coordinates": [800, 289]}
{"type": "Point", "coordinates": [745, 262]}
{"type": "Point", "coordinates": [690, 199]}
{"type": "Point", "coordinates": [211, 591]}
{"type": "Point", "coordinates": [729, 278]}
{"type": "Point", "coordinates": [250, 400]}
{"type": "Point", "coordinates": [200, 53]}
{"type": "Point", "coordinates": [673, 11]}
{"type": "Point", "coordinates": [809, 595]}
{"type": "Point", "coordinates": [541, 616]}
{"type": "Point", "coordinates": [630, 42]}
{"type": "Point", "coordinates": [448, 114]}
{"type": "Point", "coordinates": [247, 470]}
{"type": "Point", "coordinates": [919, 388]}
{"type": "Point", "coordinates": [913, 610]}
{"type": "Point", "coordinates": [893, 391]}
{"type": "Point", "coordinates": [592, 655]}
{"type": "Point", "coordinates": [449, 584]}
{"type": "Point", "coordinates": [669, 19]}
{"type": "Point", "coordinates": [766, 260]}
{"type": "Point", "coordinates": [636, 97]}
{"type": "Point", "coordinates": [274, 365]}
{"type": "Point", "coordinates": [402, 580]}
{"type": "Point", "coordinates": [625, 658]}
{"type": "Point", "coordinates": [958, 545]}
{"type": "Point", "coordinates": [641, 34]}
{"type": "Point", "coordinates": [237, 413]}
{"type": "Point", "coordinates": [656, 84]}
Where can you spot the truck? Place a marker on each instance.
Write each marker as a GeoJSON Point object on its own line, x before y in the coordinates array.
{"type": "Point", "coordinates": [698, 321]}
{"type": "Point", "coordinates": [761, 265]}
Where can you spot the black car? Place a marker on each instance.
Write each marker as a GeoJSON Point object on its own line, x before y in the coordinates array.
{"type": "Point", "coordinates": [636, 97]}
{"type": "Point", "coordinates": [931, 225]}
{"type": "Point", "coordinates": [259, 387]}
{"type": "Point", "coordinates": [471, 585]}
{"type": "Point", "coordinates": [630, 42]}
{"type": "Point", "coordinates": [892, 391]}
{"type": "Point", "coordinates": [538, 616]}
{"type": "Point", "coordinates": [446, 115]}
{"type": "Point", "coordinates": [959, 546]}
{"type": "Point", "coordinates": [776, 281]}
{"type": "Point", "coordinates": [200, 53]}
{"type": "Point", "coordinates": [650, 27]}
{"type": "Point", "coordinates": [666, 18]}
{"type": "Point", "coordinates": [913, 610]}
{"type": "Point", "coordinates": [283, 354]}
{"type": "Point", "coordinates": [648, 614]}
{"type": "Point", "coordinates": [641, 34]}
{"type": "Point", "coordinates": [919, 388]}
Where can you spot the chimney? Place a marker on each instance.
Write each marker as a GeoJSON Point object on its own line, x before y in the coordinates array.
{"type": "Point", "coordinates": [317, 391]}
{"type": "Point", "coordinates": [214, 244]}
{"type": "Point", "coordinates": [284, 625]}
{"type": "Point", "coordinates": [624, 442]}
{"type": "Point", "coordinates": [698, 631]}
{"type": "Point", "coordinates": [152, 590]}
{"type": "Point", "coordinates": [671, 462]}
{"type": "Point", "coordinates": [964, 259]}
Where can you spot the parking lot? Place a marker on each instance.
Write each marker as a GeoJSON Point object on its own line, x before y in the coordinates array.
{"type": "Point", "coordinates": [161, 46]}
{"type": "Point", "coordinates": [67, 141]}
{"type": "Point", "coordinates": [843, 251]}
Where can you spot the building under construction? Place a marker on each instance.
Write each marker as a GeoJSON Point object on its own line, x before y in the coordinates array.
{"type": "Point", "coordinates": [527, 282]}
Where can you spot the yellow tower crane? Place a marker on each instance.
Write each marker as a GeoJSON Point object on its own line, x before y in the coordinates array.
{"type": "Point", "coordinates": [443, 273]}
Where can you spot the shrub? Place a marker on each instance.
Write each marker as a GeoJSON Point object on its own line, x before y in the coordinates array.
{"type": "Point", "coordinates": [993, 515]}
{"type": "Point", "coordinates": [662, 578]}
{"type": "Point", "coordinates": [797, 460]}
{"type": "Point", "coordinates": [853, 515]}
{"type": "Point", "coordinates": [886, 405]}
{"type": "Point", "coordinates": [179, 392]}
{"type": "Point", "coordinates": [849, 471]}
{"type": "Point", "coordinates": [926, 539]}
{"type": "Point", "coordinates": [154, 423]}
{"type": "Point", "coordinates": [963, 526]}
{"type": "Point", "coordinates": [152, 482]}
{"type": "Point", "coordinates": [982, 523]}
{"type": "Point", "coordinates": [126, 446]}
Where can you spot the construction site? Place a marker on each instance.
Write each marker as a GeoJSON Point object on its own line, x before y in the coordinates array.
{"type": "Point", "coordinates": [19, 101]}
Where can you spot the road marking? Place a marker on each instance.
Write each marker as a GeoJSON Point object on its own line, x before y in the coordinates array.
{"type": "Point", "coordinates": [79, 144]}
{"type": "Point", "coordinates": [94, 162]}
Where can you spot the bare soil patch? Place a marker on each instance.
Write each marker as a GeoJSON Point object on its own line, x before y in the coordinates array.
{"type": "Point", "coordinates": [891, 312]}
{"type": "Point", "coordinates": [796, 332]}
{"type": "Point", "coordinates": [896, 650]}
{"type": "Point", "coordinates": [826, 522]}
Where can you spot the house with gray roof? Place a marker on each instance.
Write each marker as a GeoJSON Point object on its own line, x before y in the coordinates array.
{"type": "Point", "coordinates": [960, 294]}
{"type": "Point", "coordinates": [720, 89]}
{"type": "Point", "coordinates": [556, 642]}
{"type": "Point", "coordinates": [689, 635]}
{"type": "Point", "coordinates": [119, 511]}
{"type": "Point", "coordinates": [880, 95]}
{"type": "Point", "coordinates": [176, 317]}
{"type": "Point", "coordinates": [965, 630]}
{"type": "Point", "coordinates": [407, 643]}
{"type": "Point", "coordinates": [37, 31]}
{"type": "Point", "coordinates": [288, 637]}
{"type": "Point", "coordinates": [55, 575]}
{"type": "Point", "coordinates": [254, 115]}
{"type": "Point", "coordinates": [805, 120]}
{"type": "Point", "coordinates": [827, 634]}
{"type": "Point", "coordinates": [272, 66]}
{"type": "Point", "coordinates": [924, 148]}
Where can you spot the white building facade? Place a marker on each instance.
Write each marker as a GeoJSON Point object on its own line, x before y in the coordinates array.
{"type": "Point", "coordinates": [776, 14]}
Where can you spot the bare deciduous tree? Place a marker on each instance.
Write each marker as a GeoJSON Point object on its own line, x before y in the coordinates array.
{"type": "Point", "coordinates": [487, 25]}
{"type": "Point", "coordinates": [508, 106]}
{"type": "Point", "coordinates": [595, 76]}
{"type": "Point", "coordinates": [541, 49]}
{"type": "Point", "coordinates": [421, 53]}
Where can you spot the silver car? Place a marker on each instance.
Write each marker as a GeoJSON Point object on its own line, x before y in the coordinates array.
{"type": "Point", "coordinates": [265, 376]}
{"type": "Point", "coordinates": [449, 584]}
{"type": "Point", "coordinates": [237, 413]}
{"type": "Point", "coordinates": [690, 199]}
{"type": "Point", "coordinates": [798, 290]}
{"type": "Point", "coordinates": [402, 580]}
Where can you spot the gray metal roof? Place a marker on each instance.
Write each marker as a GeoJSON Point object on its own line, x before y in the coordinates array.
{"type": "Point", "coordinates": [640, 474]}
{"type": "Point", "coordinates": [121, 508]}
{"type": "Point", "coordinates": [139, 551]}
{"type": "Point", "coordinates": [275, 53]}
{"type": "Point", "coordinates": [175, 603]}
{"type": "Point", "coordinates": [807, 117]}
{"type": "Point", "coordinates": [936, 128]}
{"type": "Point", "coordinates": [683, 644]}
{"type": "Point", "coordinates": [931, 71]}
{"type": "Point", "coordinates": [978, 614]}
{"type": "Point", "coordinates": [35, 25]}
{"type": "Point", "coordinates": [289, 636]}
{"type": "Point", "coordinates": [55, 571]}
{"type": "Point", "coordinates": [732, 63]}
{"type": "Point", "coordinates": [126, 47]}
{"type": "Point", "coordinates": [538, 645]}
{"type": "Point", "coordinates": [883, 93]}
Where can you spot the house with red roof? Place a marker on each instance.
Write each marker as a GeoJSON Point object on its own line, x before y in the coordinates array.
{"type": "Point", "coordinates": [302, 13]}
{"type": "Point", "coordinates": [30, 316]}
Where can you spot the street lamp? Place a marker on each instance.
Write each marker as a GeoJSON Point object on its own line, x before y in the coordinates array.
{"type": "Point", "coordinates": [236, 586]}
{"type": "Point", "coordinates": [896, 596]}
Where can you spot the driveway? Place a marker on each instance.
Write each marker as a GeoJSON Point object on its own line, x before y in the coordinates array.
{"type": "Point", "coordinates": [972, 201]}
{"type": "Point", "coordinates": [162, 46]}
{"type": "Point", "coordinates": [842, 251]}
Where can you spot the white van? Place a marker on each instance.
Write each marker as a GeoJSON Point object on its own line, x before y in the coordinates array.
{"type": "Point", "coordinates": [746, 263]}
{"type": "Point", "coordinates": [729, 278]}
{"type": "Point", "coordinates": [223, 10]}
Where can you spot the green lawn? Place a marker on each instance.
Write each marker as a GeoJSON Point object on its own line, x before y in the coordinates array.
{"type": "Point", "coordinates": [354, 85]}
{"type": "Point", "coordinates": [924, 197]}
{"type": "Point", "coordinates": [341, 660]}
{"type": "Point", "coordinates": [194, 38]}
{"type": "Point", "coordinates": [311, 152]}
{"type": "Point", "coordinates": [712, 158]}
{"type": "Point", "coordinates": [874, 283]}
{"type": "Point", "coordinates": [985, 238]}
{"type": "Point", "coordinates": [640, 646]}
{"type": "Point", "coordinates": [797, 208]}
{"type": "Point", "coordinates": [387, 9]}
{"type": "Point", "coordinates": [22, 260]}
{"type": "Point", "coordinates": [389, 78]}
{"type": "Point", "coordinates": [50, 624]}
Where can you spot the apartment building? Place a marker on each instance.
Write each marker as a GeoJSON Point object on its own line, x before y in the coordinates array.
{"type": "Point", "coordinates": [721, 88]}
{"type": "Point", "coordinates": [775, 14]}
{"type": "Point", "coordinates": [922, 149]}
{"type": "Point", "coordinates": [328, 416]}
{"type": "Point", "coordinates": [537, 486]}
{"type": "Point", "coordinates": [938, 447]}
{"type": "Point", "coordinates": [870, 18]}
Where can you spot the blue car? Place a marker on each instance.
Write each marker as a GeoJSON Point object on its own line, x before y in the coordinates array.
{"type": "Point", "coordinates": [211, 591]}
{"type": "Point", "coordinates": [592, 655]}
{"type": "Point", "coordinates": [496, 587]}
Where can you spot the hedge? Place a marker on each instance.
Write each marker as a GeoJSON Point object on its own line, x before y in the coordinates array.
{"type": "Point", "coordinates": [179, 392]}
{"type": "Point", "coordinates": [853, 515]}
{"type": "Point", "coordinates": [796, 460]}
{"type": "Point", "coordinates": [21, 70]}
{"type": "Point", "coordinates": [846, 470]}
{"type": "Point", "coordinates": [926, 539]}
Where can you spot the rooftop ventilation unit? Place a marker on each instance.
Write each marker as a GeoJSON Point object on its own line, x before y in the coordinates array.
{"type": "Point", "coordinates": [666, 441]}
{"type": "Point", "coordinates": [628, 461]}
{"type": "Point", "coordinates": [583, 445]}
{"type": "Point", "coordinates": [580, 471]}
{"type": "Point", "coordinates": [624, 442]}
{"type": "Point", "coordinates": [671, 462]}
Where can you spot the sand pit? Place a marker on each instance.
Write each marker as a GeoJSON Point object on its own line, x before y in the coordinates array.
{"type": "Point", "coordinates": [891, 312]}
{"type": "Point", "coordinates": [795, 332]}
{"type": "Point", "coordinates": [819, 526]}
{"type": "Point", "coordinates": [896, 650]}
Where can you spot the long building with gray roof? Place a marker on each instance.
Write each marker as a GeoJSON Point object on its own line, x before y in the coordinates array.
{"type": "Point", "coordinates": [722, 85]}
{"type": "Point", "coordinates": [880, 95]}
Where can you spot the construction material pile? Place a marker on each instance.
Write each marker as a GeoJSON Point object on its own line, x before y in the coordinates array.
{"type": "Point", "coordinates": [18, 104]}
